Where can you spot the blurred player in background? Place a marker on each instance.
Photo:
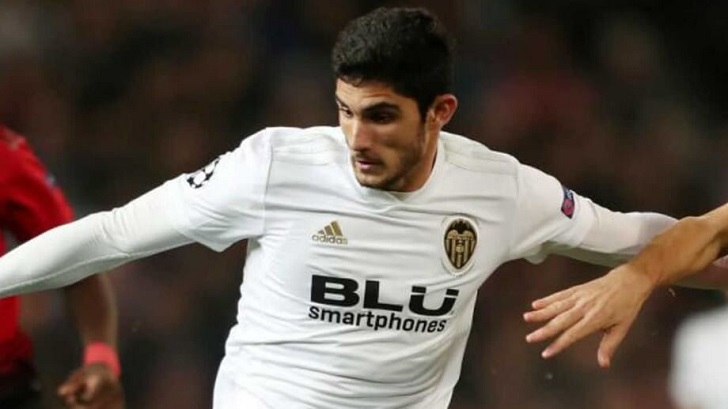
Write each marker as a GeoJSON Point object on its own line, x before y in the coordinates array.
{"type": "Point", "coordinates": [699, 373]}
{"type": "Point", "coordinates": [367, 242]}
{"type": "Point", "coordinates": [30, 204]}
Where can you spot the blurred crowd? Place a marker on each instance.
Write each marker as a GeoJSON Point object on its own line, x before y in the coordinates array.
{"type": "Point", "coordinates": [622, 103]}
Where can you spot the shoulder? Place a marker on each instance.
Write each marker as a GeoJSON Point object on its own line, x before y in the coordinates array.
{"type": "Point", "coordinates": [315, 144]}
{"type": "Point", "coordinates": [10, 142]}
{"type": "Point", "coordinates": [474, 156]}
{"type": "Point", "coordinates": [282, 139]}
{"type": "Point", "coordinates": [14, 150]}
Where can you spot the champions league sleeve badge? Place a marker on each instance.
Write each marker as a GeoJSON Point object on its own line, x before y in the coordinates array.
{"type": "Point", "coordinates": [567, 204]}
{"type": "Point", "coordinates": [460, 240]}
{"type": "Point", "coordinates": [199, 178]}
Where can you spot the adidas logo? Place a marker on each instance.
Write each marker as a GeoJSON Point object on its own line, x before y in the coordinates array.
{"type": "Point", "coordinates": [330, 234]}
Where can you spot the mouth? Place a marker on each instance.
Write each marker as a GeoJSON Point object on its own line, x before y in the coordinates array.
{"type": "Point", "coordinates": [366, 165]}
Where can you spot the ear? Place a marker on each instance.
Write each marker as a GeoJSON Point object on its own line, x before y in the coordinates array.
{"type": "Point", "coordinates": [442, 110]}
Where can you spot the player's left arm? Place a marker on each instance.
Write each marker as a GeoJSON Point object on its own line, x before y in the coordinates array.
{"type": "Point", "coordinates": [551, 219]}
{"type": "Point", "coordinates": [683, 254]}
{"type": "Point", "coordinates": [39, 205]}
{"type": "Point", "coordinates": [688, 256]}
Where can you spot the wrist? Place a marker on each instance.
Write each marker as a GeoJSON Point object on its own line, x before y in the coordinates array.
{"type": "Point", "coordinates": [102, 353]}
{"type": "Point", "coordinates": [649, 278]}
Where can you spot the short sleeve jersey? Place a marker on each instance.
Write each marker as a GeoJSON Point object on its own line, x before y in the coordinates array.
{"type": "Point", "coordinates": [30, 203]}
{"type": "Point", "coordinates": [355, 297]}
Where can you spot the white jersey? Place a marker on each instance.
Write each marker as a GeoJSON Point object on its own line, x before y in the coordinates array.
{"type": "Point", "coordinates": [352, 297]}
{"type": "Point", "coordinates": [699, 374]}
{"type": "Point", "coordinates": [360, 298]}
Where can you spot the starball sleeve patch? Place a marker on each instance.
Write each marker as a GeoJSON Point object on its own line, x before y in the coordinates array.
{"type": "Point", "coordinates": [567, 204]}
{"type": "Point", "coordinates": [198, 179]}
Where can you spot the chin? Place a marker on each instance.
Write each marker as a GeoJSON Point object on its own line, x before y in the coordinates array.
{"type": "Point", "coordinates": [368, 181]}
{"type": "Point", "coordinates": [371, 181]}
{"type": "Point", "coordinates": [377, 183]}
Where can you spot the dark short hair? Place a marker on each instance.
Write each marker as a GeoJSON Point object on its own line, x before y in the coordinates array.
{"type": "Point", "coordinates": [408, 49]}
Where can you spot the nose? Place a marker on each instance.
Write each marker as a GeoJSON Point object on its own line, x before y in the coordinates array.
{"type": "Point", "coordinates": [361, 138]}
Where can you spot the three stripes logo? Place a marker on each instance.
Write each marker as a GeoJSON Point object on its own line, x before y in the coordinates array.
{"type": "Point", "coordinates": [330, 234]}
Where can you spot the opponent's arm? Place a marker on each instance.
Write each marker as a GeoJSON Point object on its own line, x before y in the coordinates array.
{"type": "Point", "coordinates": [69, 253]}
{"type": "Point", "coordinates": [96, 382]}
{"type": "Point", "coordinates": [35, 205]}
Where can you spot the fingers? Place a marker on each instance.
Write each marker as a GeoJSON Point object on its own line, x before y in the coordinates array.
{"type": "Point", "coordinates": [548, 312]}
{"type": "Point", "coordinates": [91, 388]}
{"type": "Point", "coordinates": [553, 298]}
{"type": "Point", "coordinates": [70, 389]}
{"type": "Point", "coordinates": [559, 324]}
{"type": "Point", "coordinates": [575, 333]}
{"type": "Point", "coordinates": [609, 304]}
{"type": "Point", "coordinates": [609, 343]}
{"type": "Point", "coordinates": [549, 307]}
{"type": "Point", "coordinates": [577, 327]}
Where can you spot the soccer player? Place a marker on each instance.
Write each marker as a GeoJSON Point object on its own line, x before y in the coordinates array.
{"type": "Point", "coordinates": [367, 242]}
{"type": "Point", "coordinates": [29, 204]}
{"type": "Point", "coordinates": [685, 253]}
{"type": "Point", "coordinates": [699, 373]}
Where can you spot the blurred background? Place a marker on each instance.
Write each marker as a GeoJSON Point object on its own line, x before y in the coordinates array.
{"type": "Point", "coordinates": [622, 101]}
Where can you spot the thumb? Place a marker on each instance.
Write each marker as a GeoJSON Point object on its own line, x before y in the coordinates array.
{"type": "Point", "coordinates": [610, 341]}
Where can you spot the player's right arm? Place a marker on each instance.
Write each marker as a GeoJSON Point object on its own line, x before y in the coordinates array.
{"type": "Point", "coordinates": [101, 241]}
{"type": "Point", "coordinates": [216, 206]}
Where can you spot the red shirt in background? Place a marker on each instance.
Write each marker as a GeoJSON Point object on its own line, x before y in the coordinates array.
{"type": "Point", "coordinates": [30, 204]}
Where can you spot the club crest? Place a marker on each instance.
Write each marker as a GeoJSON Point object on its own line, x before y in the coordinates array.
{"type": "Point", "coordinates": [459, 242]}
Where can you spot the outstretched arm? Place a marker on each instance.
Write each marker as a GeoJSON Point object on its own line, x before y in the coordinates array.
{"type": "Point", "coordinates": [682, 254]}
{"type": "Point", "coordinates": [90, 245]}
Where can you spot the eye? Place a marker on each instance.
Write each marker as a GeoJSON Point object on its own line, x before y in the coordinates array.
{"type": "Point", "coordinates": [382, 118]}
{"type": "Point", "coordinates": [345, 112]}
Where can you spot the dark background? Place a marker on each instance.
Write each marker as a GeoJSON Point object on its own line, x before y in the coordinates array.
{"type": "Point", "coordinates": [622, 101]}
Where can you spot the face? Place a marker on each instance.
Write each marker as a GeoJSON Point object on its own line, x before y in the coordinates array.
{"type": "Point", "coordinates": [391, 147]}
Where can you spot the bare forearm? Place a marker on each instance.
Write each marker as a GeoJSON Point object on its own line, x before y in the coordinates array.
{"type": "Point", "coordinates": [719, 219]}
{"type": "Point", "coordinates": [688, 247]}
{"type": "Point", "coordinates": [91, 303]}
{"type": "Point", "coordinates": [715, 276]}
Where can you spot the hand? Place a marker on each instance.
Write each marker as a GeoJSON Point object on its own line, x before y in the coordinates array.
{"type": "Point", "coordinates": [609, 303]}
{"type": "Point", "coordinates": [92, 386]}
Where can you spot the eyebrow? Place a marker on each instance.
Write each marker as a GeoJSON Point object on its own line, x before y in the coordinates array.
{"type": "Point", "coordinates": [376, 107]}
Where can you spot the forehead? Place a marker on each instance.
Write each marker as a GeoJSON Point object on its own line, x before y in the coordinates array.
{"type": "Point", "coordinates": [368, 94]}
